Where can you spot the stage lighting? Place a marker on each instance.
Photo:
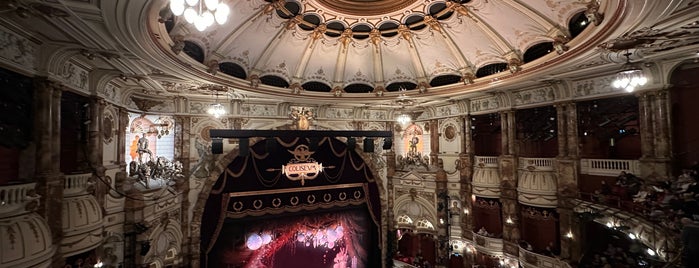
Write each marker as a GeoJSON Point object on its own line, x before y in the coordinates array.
{"type": "Point", "coordinates": [244, 147]}
{"type": "Point", "coordinates": [216, 146]}
{"type": "Point", "coordinates": [351, 143]}
{"type": "Point", "coordinates": [387, 143]}
{"type": "Point", "coordinates": [368, 145]}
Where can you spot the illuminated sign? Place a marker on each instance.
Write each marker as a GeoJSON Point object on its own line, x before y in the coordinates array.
{"type": "Point", "coordinates": [302, 167]}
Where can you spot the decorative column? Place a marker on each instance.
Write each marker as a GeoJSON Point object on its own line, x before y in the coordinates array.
{"type": "Point", "coordinates": [47, 124]}
{"type": "Point", "coordinates": [655, 134]}
{"type": "Point", "coordinates": [566, 168]}
{"type": "Point", "coordinates": [95, 147]}
{"type": "Point", "coordinates": [465, 167]}
{"type": "Point", "coordinates": [123, 124]}
{"type": "Point", "coordinates": [183, 137]}
{"type": "Point", "coordinates": [388, 224]}
{"type": "Point", "coordinates": [434, 142]}
{"type": "Point", "coordinates": [645, 125]}
{"type": "Point", "coordinates": [508, 185]}
{"type": "Point", "coordinates": [442, 212]}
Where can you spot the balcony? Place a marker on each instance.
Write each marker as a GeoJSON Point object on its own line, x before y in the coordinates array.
{"type": "Point", "coordinates": [26, 235]}
{"type": "Point", "coordinates": [529, 259]}
{"type": "Point", "coordinates": [487, 244]}
{"type": "Point", "coordinates": [609, 167]}
{"type": "Point", "coordinates": [486, 177]}
{"type": "Point", "coordinates": [537, 182]}
{"type": "Point", "coordinates": [82, 216]}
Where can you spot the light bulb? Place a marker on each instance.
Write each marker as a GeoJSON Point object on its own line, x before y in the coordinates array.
{"type": "Point", "coordinates": [177, 7]}
{"type": "Point", "coordinates": [211, 4]}
{"type": "Point", "coordinates": [190, 15]}
{"type": "Point", "coordinates": [222, 12]}
{"type": "Point", "coordinates": [192, 2]}
{"type": "Point", "coordinates": [200, 24]}
{"type": "Point", "coordinates": [208, 18]}
{"type": "Point", "coordinates": [642, 81]}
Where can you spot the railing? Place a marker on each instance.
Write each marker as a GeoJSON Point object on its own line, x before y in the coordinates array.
{"type": "Point", "coordinates": [531, 259]}
{"type": "Point", "coordinates": [76, 184]}
{"type": "Point", "coordinates": [640, 209]}
{"type": "Point", "coordinates": [488, 244]}
{"type": "Point", "coordinates": [608, 167]}
{"type": "Point", "coordinates": [14, 198]}
{"type": "Point", "coordinates": [486, 161]}
{"type": "Point", "coordinates": [536, 164]}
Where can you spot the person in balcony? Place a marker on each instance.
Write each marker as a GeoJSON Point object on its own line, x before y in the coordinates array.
{"type": "Point", "coordinates": [642, 195]}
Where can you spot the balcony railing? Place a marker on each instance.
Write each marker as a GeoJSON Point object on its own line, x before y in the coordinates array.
{"type": "Point", "coordinates": [76, 184]}
{"type": "Point", "coordinates": [488, 244]}
{"type": "Point", "coordinates": [530, 259]}
{"type": "Point", "coordinates": [14, 198]}
{"type": "Point", "coordinates": [608, 167]}
{"type": "Point", "coordinates": [536, 164]}
{"type": "Point", "coordinates": [486, 161]}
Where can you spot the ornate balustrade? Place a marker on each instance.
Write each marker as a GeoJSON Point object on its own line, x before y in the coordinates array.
{"type": "Point", "coordinates": [609, 167]}
{"type": "Point", "coordinates": [15, 198]}
{"type": "Point", "coordinates": [26, 235]}
{"type": "Point", "coordinates": [486, 161]}
{"type": "Point", "coordinates": [529, 259]}
{"type": "Point", "coordinates": [536, 164]}
{"type": "Point", "coordinates": [487, 244]}
{"type": "Point", "coordinates": [659, 238]}
{"type": "Point", "coordinates": [82, 216]}
{"type": "Point", "coordinates": [76, 184]}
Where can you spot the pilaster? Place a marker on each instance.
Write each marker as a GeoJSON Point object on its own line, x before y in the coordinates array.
{"type": "Point", "coordinates": [95, 147]}
{"type": "Point", "coordinates": [434, 141]}
{"type": "Point", "coordinates": [183, 138]}
{"type": "Point", "coordinates": [47, 137]}
{"type": "Point", "coordinates": [655, 134]}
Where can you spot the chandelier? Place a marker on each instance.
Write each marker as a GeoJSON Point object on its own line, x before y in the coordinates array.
{"type": "Point", "coordinates": [629, 77]}
{"type": "Point", "coordinates": [216, 110]}
{"type": "Point", "coordinates": [201, 13]}
{"type": "Point", "coordinates": [403, 119]}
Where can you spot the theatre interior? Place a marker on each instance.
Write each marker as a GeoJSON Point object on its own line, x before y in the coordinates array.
{"type": "Point", "coordinates": [349, 133]}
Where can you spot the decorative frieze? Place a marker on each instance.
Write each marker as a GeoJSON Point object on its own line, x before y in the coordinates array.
{"type": "Point", "coordinates": [533, 96]}
{"type": "Point", "coordinates": [17, 49]}
{"type": "Point", "coordinates": [485, 104]}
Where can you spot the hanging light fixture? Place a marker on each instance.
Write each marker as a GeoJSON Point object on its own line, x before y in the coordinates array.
{"type": "Point", "coordinates": [216, 109]}
{"type": "Point", "coordinates": [201, 13]}
{"type": "Point", "coordinates": [403, 119]}
{"type": "Point", "coordinates": [629, 77]}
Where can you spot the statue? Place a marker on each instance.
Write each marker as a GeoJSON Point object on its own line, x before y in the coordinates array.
{"type": "Point", "coordinates": [301, 119]}
{"type": "Point", "coordinates": [142, 147]}
{"type": "Point", "coordinates": [413, 145]}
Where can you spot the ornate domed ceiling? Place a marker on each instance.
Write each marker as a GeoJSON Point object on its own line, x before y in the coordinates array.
{"type": "Point", "coordinates": [344, 52]}
{"type": "Point", "coordinates": [365, 49]}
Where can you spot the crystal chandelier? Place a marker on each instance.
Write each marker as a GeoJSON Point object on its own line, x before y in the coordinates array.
{"type": "Point", "coordinates": [403, 119]}
{"type": "Point", "coordinates": [629, 77]}
{"type": "Point", "coordinates": [201, 13]}
{"type": "Point", "coordinates": [216, 110]}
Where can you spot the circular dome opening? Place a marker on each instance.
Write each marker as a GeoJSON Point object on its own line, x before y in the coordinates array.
{"type": "Point", "coordinates": [310, 21]}
{"type": "Point", "coordinates": [414, 22]}
{"type": "Point", "coordinates": [290, 10]}
{"type": "Point", "coordinates": [397, 86]}
{"type": "Point", "coordinates": [445, 80]}
{"type": "Point", "coordinates": [389, 29]}
{"type": "Point", "coordinates": [491, 69]}
{"type": "Point", "coordinates": [273, 80]}
{"type": "Point", "coordinates": [335, 28]}
{"type": "Point", "coordinates": [358, 88]}
{"type": "Point", "coordinates": [232, 69]}
{"type": "Point", "coordinates": [361, 31]}
{"type": "Point", "coordinates": [537, 51]}
{"type": "Point", "coordinates": [316, 87]}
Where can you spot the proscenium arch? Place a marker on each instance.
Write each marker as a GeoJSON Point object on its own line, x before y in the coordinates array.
{"type": "Point", "coordinates": [220, 167]}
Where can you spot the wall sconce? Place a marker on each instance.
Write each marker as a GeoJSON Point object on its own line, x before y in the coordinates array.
{"type": "Point", "coordinates": [569, 234]}
{"type": "Point", "coordinates": [466, 211]}
{"type": "Point", "coordinates": [509, 220]}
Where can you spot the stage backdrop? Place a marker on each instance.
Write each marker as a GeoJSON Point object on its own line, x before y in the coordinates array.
{"type": "Point", "coordinates": [293, 203]}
